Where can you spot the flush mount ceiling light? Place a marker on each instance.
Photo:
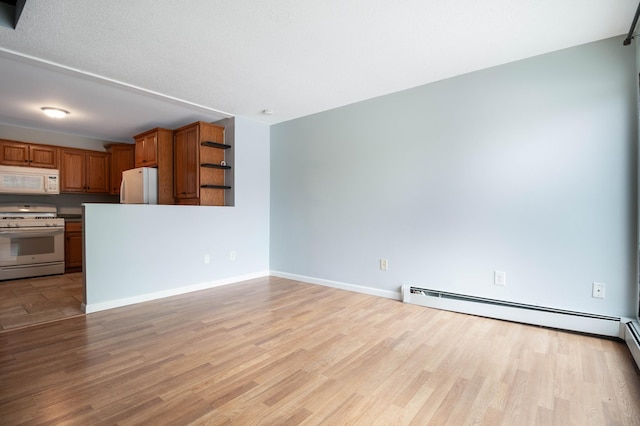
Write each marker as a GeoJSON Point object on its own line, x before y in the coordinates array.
{"type": "Point", "coordinates": [55, 112]}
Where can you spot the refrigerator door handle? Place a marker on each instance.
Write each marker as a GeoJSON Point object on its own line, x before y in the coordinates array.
{"type": "Point", "coordinates": [123, 196]}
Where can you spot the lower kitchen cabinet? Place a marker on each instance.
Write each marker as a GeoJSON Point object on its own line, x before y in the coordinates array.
{"type": "Point", "coordinates": [73, 246]}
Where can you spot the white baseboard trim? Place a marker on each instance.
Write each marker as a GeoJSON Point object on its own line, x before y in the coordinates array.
{"type": "Point", "coordinates": [389, 294]}
{"type": "Point", "coordinates": [117, 303]}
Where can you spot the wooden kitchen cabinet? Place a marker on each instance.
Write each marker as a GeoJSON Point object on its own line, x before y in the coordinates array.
{"type": "Point", "coordinates": [73, 246]}
{"type": "Point", "coordinates": [14, 153]}
{"type": "Point", "coordinates": [84, 171]}
{"type": "Point", "coordinates": [147, 150]}
{"type": "Point", "coordinates": [185, 155]}
{"type": "Point", "coordinates": [154, 148]}
{"type": "Point", "coordinates": [149, 143]}
{"type": "Point", "coordinates": [121, 158]}
{"type": "Point", "coordinates": [199, 165]}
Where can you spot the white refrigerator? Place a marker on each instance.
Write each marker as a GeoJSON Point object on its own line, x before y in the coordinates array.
{"type": "Point", "coordinates": [139, 186]}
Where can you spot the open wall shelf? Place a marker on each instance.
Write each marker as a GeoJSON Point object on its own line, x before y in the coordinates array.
{"type": "Point", "coordinates": [215, 166]}
{"type": "Point", "coordinates": [215, 186]}
{"type": "Point", "coordinates": [215, 145]}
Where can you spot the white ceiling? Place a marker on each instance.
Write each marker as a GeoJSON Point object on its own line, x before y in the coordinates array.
{"type": "Point", "coordinates": [122, 67]}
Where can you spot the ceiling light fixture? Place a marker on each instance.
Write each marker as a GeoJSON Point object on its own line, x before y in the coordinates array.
{"type": "Point", "coordinates": [55, 112]}
{"type": "Point", "coordinates": [267, 111]}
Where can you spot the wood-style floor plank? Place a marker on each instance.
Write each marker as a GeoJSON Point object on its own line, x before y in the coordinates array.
{"type": "Point", "coordinates": [273, 351]}
{"type": "Point", "coordinates": [29, 301]}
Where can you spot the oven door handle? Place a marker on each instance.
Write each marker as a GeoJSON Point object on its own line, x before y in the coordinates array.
{"type": "Point", "coordinates": [32, 232]}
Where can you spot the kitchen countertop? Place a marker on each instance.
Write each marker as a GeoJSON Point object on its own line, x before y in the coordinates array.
{"type": "Point", "coordinates": [71, 217]}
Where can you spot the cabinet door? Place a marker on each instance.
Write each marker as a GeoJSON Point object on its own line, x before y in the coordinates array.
{"type": "Point", "coordinates": [14, 153]}
{"type": "Point", "coordinates": [122, 158]}
{"type": "Point", "coordinates": [43, 156]}
{"type": "Point", "coordinates": [186, 167]}
{"type": "Point", "coordinates": [139, 150]}
{"type": "Point", "coordinates": [97, 172]}
{"type": "Point", "coordinates": [72, 171]}
{"type": "Point", "coordinates": [147, 151]}
{"type": "Point", "coordinates": [151, 150]}
{"type": "Point", "coordinates": [73, 247]}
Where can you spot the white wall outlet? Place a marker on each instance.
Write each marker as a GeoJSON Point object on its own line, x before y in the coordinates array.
{"type": "Point", "coordinates": [384, 264]}
{"type": "Point", "coordinates": [598, 290]}
{"type": "Point", "coordinates": [232, 255]}
{"type": "Point", "coordinates": [207, 259]}
{"type": "Point", "coordinates": [499, 278]}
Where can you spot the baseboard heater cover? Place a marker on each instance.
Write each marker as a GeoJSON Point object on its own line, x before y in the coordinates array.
{"type": "Point", "coordinates": [517, 312]}
{"type": "Point", "coordinates": [632, 339]}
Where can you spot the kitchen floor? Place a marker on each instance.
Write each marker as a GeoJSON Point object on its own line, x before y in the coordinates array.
{"type": "Point", "coordinates": [30, 301]}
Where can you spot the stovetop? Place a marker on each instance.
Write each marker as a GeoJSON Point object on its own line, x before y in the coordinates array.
{"type": "Point", "coordinates": [53, 222]}
{"type": "Point", "coordinates": [29, 216]}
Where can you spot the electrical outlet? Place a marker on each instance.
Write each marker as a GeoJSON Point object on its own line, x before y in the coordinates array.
{"type": "Point", "coordinates": [384, 264]}
{"type": "Point", "coordinates": [232, 255]}
{"type": "Point", "coordinates": [598, 290]}
{"type": "Point", "coordinates": [207, 259]}
{"type": "Point", "coordinates": [499, 278]}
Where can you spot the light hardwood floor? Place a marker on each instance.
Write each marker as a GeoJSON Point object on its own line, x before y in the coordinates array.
{"type": "Point", "coordinates": [278, 352]}
{"type": "Point", "coordinates": [30, 301]}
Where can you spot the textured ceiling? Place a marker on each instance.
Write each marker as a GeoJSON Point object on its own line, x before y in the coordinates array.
{"type": "Point", "coordinates": [239, 57]}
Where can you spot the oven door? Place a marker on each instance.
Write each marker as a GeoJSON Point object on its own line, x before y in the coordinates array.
{"type": "Point", "coordinates": [28, 246]}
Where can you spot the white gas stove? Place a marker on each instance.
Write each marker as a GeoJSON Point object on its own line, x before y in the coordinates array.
{"type": "Point", "coordinates": [31, 241]}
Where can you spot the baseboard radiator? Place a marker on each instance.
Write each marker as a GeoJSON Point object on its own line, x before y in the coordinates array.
{"type": "Point", "coordinates": [632, 339]}
{"type": "Point", "coordinates": [517, 312]}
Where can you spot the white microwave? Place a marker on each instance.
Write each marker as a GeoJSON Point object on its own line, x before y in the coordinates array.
{"type": "Point", "coordinates": [29, 180]}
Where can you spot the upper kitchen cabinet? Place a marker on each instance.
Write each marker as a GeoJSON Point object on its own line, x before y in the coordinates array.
{"type": "Point", "coordinates": [122, 157]}
{"type": "Point", "coordinates": [149, 143]}
{"type": "Point", "coordinates": [154, 148]}
{"type": "Point", "coordinates": [200, 165]}
{"type": "Point", "coordinates": [14, 153]}
{"type": "Point", "coordinates": [84, 171]}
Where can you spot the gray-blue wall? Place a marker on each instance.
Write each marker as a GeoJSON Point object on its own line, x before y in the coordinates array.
{"type": "Point", "coordinates": [527, 168]}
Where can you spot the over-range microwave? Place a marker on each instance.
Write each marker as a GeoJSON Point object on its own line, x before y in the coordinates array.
{"type": "Point", "coordinates": [29, 180]}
